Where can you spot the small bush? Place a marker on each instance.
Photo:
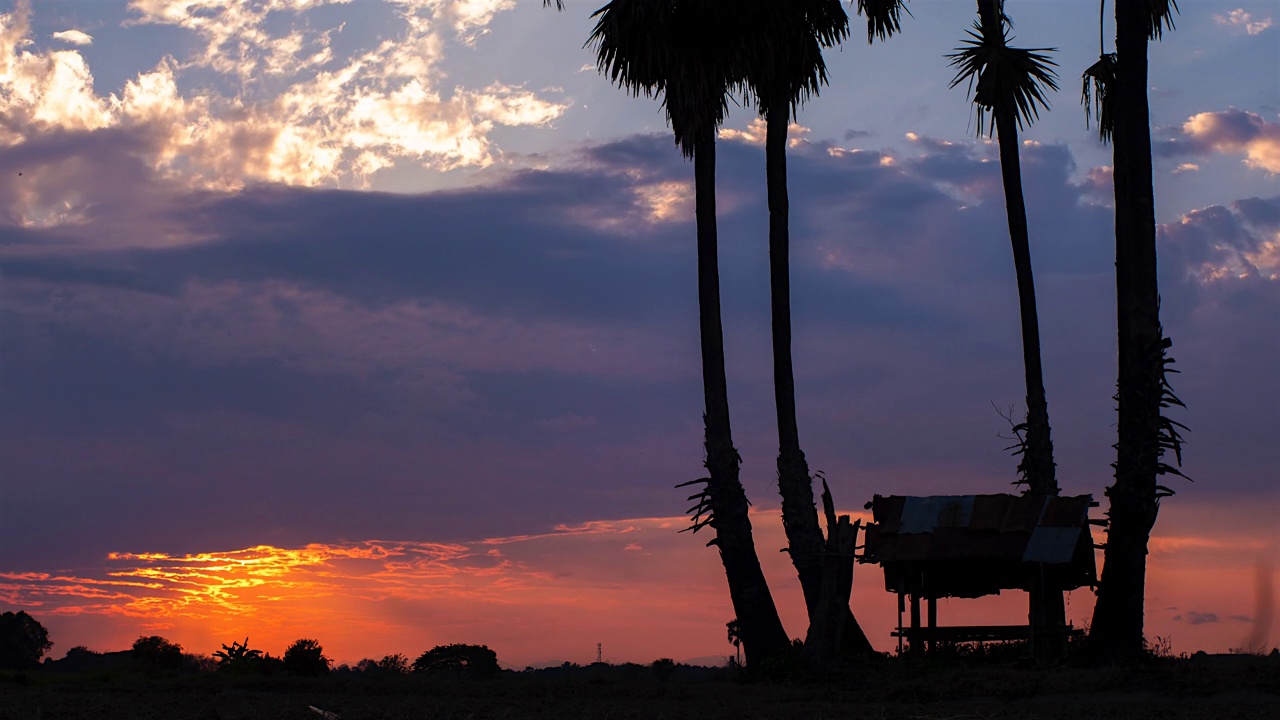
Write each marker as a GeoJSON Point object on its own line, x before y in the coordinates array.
{"type": "Point", "coordinates": [305, 658]}
{"type": "Point", "coordinates": [389, 665]}
{"type": "Point", "coordinates": [155, 654]}
{"type": "Point", "coordinates": [663, 668]}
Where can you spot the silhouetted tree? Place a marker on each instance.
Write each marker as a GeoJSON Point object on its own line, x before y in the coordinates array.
{"type": "Point", "coordinates": [1010, 84]}
{"type": "Point", "coordinates": [237, 658]}
{"type": "Point", "coordinates": [735, 639]}
{"type": "Point", "coordinates": [153, 653]}
{"type": "Point", "coordinates": [476, 661]}
{"type": "Point", "coordinates": [1142, 390]}
{"type": "Point", "coordinates": [305, 658]}
{"type": "Point", "coordinates": [23, 641]}
{"type": "Point", "coordinates": [785, 67]}
{"type": "Point", "coordinates": [691, 53]}
{"type": "Point", "coordinates": [387, 666]}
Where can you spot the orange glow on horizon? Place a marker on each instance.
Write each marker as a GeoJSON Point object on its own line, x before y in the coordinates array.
{"type": "Point", "coordinates": [635, 585]}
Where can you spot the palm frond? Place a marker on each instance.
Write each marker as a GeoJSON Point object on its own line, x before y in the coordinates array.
{"type": "Point", "coordinates": [1000, 76]}
{"type": "Point", "coordinates": [1096, 95]}
{"type": "Point", "coordinates": [686, 53]}
{"type": "Point", "coordinates": [559, 3]}
{"type": "Point", "coordinates": [1160, 16]}
{"type": "Point", "coordinates": [783, 58]}
{"type": "Point", "coordinates": [884, 17]}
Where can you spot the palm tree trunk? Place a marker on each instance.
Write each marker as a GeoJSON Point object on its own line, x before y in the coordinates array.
{"type": "Point", "coordinates": [1047, 609]}
{"type": "Point", "coordinates": [1118, 615]}
{"type": "Point", "coordinates": [762, 632]}
{"type": "Point", "coordinates": [799, 513]}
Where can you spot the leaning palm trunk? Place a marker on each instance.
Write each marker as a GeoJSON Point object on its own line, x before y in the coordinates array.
{"type": "Point", "coordinates": [1037, 460]}
{"type": "Point", "coordinates": [761, 629]}
{"type": "Point", "coordinates": [1117, 629]}
{"type": "Point", "coordinates": [806, 545]}
{"type": "Point", "coordinates": [1048, 613]}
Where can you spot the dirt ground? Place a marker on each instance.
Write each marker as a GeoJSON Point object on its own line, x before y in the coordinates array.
{"type": "Point", "coordinates": [1244, 687]}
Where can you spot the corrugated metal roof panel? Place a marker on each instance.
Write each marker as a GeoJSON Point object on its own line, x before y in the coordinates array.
{"type": "Point", "coordinates": [989, 512]}
{"type": "Point", "coordinates": [1024, 513]}
{"type": "Point", "coordinates": [1066, 511]}
{"type": "Point", "coordinates": [1053, 545]}
{"type": "Point", "coordinates": [923, 514]}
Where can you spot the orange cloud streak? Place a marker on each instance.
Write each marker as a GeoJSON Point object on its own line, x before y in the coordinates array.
{"type": "Point", "coordinates": [635, 585]}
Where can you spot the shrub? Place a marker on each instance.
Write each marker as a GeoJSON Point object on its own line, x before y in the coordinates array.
{"type": "Point", "coordinates": [306, 659]}
{"type": "Point", "coordinates": [462, 660]}
{"type": "Point", "coordinates": [238, 659]}
{"type": "Point", "coordinates": [155, 654]}
{"type": "Point", "coordinates": [389, 665]}
{"type": "Point", "coordinates": [23, 640]}
{"type": "Point", "coordinates": [663, 668]}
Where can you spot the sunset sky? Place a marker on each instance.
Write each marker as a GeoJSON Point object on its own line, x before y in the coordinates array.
{"type": "Point", "coordinates": [375, 321]}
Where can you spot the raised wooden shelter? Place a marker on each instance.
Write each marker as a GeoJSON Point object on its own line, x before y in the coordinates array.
{"type": "Point", "coordinates": [968, 546]}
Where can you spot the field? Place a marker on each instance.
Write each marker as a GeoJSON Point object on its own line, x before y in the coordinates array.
{"type": "Point", "coordinates": [1197, 687]}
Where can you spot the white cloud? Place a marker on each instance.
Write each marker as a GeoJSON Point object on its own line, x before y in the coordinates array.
{"type": "Point", "coordinates": [1242, 20]}
{"type": "Point", "coordinates": [287, 111]}
{"type": "Point", "coordinates": [75, 37]}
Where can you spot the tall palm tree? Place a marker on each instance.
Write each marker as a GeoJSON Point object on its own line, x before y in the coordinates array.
{"type": "Point", "coordinates": [690, 53]}
{"type": "Point", "coordinates": [1143, 390]}
{"type": "Point", "coordinates": [1010, 84]}
{"type": "Point", "coordinates": [785, 67]}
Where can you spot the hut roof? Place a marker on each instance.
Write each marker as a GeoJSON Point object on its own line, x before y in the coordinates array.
{"type": "Point", "coordinates": [972, 545]}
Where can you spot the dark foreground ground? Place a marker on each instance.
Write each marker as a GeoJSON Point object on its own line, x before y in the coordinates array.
{"type": "Point", "coordinates": [1170, 689]}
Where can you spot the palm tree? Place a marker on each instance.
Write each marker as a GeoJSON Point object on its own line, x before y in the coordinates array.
{"type": "Point", "coordinates": [1010, 83]}
{"type": "Point", "coordinates": [785, 68]}
{"type": "Point", "coordinates": [1143, 390]}
{"type": "Point", "coordinates": [690, 53]}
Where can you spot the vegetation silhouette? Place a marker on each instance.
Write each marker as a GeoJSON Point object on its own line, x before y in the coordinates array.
{"type": "Point", "coordinates": [387, 666]}
{"type": "Point", "coordinates": [784, 68]}
{"type": "Point", "coordinates": [692, 54]}
{"type": "Point", "coordinates": [23, 641]}
{"type": "Point", "coordinates": [460, 660]}
{"type": "Point", "coordinates": [238, 659]}
{"type": "Point", "coordinates": [1143, 391]}
{"type": "Point", "coordinates": [305, 658]}
{"type": "Point", "coordinates": [152, 653]}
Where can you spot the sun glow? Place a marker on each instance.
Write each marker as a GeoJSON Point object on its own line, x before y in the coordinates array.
{"type": "Point", "coordinates": [635, 584]}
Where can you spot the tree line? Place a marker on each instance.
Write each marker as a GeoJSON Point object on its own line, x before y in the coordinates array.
{"type": "Point", "coordinates": [24, 641]}
{"type": "Point", "coordinates": [696, 55]}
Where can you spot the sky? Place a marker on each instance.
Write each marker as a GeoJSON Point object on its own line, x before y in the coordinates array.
{"type": "Point", "coordinates": [375, 321]}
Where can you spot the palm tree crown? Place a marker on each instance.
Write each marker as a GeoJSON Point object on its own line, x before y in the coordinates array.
{"type": "Point", "coordinates": [1004, 76]}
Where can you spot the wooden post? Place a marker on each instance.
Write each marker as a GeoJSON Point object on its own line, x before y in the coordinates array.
{"type": "Point", "coordinates": [932, 604]}
{"type": "Point", "coordinates": [902, 607]}
{"type": "Point", "coordinates": [916, 645]}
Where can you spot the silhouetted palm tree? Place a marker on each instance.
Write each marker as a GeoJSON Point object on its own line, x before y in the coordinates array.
{"type": "Point", "coordinates": [690, 53]}
{"type": "Point", "coordinates": [1010, 83]}
{"type": "Point", "coordinates": [1144, 434]}
{"type": "Point", "coordinates": [785, 68]}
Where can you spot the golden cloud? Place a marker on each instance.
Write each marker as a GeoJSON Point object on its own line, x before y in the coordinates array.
{"type": "Point", "coordinates": [289, 112]}
{"type": "Point", "coordinates": [1238, 131]}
